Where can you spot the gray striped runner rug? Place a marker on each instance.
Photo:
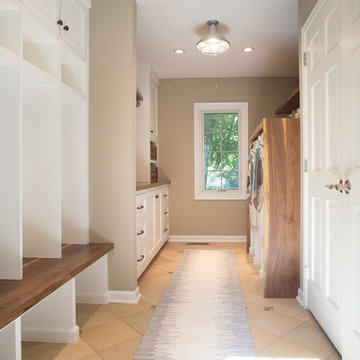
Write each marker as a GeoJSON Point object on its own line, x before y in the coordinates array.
{"type": "Point", "coordinates": [201, 313]}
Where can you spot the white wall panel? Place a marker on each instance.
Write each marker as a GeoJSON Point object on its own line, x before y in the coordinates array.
{"type": "Point", "coordinates": [331, 31]}
{"type": "Point", "coordinates": [356, 105]}
{"type": "Point", "coordinates": [317, 132]}
{"type": "Point", "coordinates": [333, 236]}
{"type": "Point", "coordinates": [317, 242]}
{"type": "Point", "coordinates": [332, 118]}
{"type": "Point", "coordinates": [356, 270]}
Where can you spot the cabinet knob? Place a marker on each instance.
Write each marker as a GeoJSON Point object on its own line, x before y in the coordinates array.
{"type": "Point", "coordinates": [166, 230]}
{"type": "Point", "coordinates": [60, 22]}
{"type": "Point", "coordinates": [140, 233]}
{"type": "Point", "coordinates": [165, 196]}
{"type": "Point", "coordinates": [152, 131]}
{"type": "Point", "coordinates": [165, 213]}
{"type": "Point", "coordinates": [66, 28]}
{"type": "Point", "coordinates": [142, 257]}
{"type": "Point", "coordinates": [156, 196]}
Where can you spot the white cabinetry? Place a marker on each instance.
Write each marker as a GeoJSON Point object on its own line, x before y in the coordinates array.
{"type": "Point", "coordinates": [43, 133]}
{"type": "Point", "coordinates": [152, 220]}
{"type": "Point", "coordinates": [146, 122]}
{"type": "Point", "coordinates": [68, 18]}
{"type": "Point", "coordinates": [43, 137]}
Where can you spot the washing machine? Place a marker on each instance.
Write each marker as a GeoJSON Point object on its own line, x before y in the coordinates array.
{"type": "Point", "coordinates": [251, 194]}
{"type": "Point", "coordinates": [256, 208]}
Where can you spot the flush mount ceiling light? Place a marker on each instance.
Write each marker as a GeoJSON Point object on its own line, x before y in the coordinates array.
{"type": "Point", "coordinates": [213, 44]}
{"type": "Point", "coordinates": [179, 51]}
{"type": "Point", "coordinates": [248, 49]}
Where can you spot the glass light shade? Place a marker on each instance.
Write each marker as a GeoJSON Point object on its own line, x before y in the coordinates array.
{"type": "Point", "coordinates": [213, 46]}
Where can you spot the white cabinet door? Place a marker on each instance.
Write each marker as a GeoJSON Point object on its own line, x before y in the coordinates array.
{"type": "Point", "coordinates": [46, 10]}
{"type": "Point", "coordinates": [157, 218]}
{"type": "Point", "coordinates": [150, 239]}
{"type": "Point", "coordinates": [75, 23]}
{"type": "Point", "coordinates": [153, 107]}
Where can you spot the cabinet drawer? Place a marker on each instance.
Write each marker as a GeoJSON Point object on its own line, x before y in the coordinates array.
{"type": "Point", "coordinates": [140, 229]}
{"type": "Point", "coordinates": [164, 201]}
{"type": "Point", "coordinates": [165, 231]}
{"type": "Point", "coordinates": [140, 207]}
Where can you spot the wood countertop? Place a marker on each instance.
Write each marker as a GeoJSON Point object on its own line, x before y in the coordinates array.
{"type": "Point", "coordinates": [41, 277]}
{"type": "Point", "coordinates": [147, 185]}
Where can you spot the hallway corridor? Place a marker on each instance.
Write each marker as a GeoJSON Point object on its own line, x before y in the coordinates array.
{"type": "Point", "coordinates": [280, 327]}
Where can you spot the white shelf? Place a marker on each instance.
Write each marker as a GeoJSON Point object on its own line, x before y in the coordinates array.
{"type": "Point", "coordinates": [73, 71]}
{"type": "Point", "coordinates": [74, 170]}
{"type": "Point", "coordinates": [10, 194]}
{"type": "Point", "coordinates": [41, 139]}
{"type": "Point", "coordinates": [10, 26]}
{"type": "Point", "coordinates": [40, 48]}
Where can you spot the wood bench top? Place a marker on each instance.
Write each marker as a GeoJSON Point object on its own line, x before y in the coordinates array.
{"type": "Point", "coordinates": [42, 276]}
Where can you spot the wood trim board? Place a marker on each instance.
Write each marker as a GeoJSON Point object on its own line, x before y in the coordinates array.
{"type": "Point", "coordinates": [41, 277]}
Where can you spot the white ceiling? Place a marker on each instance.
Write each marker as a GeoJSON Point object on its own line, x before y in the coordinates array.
{"type": "Point", "coordinates": [270, 26]}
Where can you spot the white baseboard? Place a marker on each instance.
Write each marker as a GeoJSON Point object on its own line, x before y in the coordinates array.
{"type": "Point", "coordinates": [124, 297]}
{"type": "Point", "coordinates": [261, 274]}
{"type": "Point", "coordinates": [300, 298]}
{"type": "Point", "coordinates": [252, 250]}
{"type": "Point", "coordinates": [50, 335]}
{"type": "Point", "coordinates": [99, 298]}
{"type": "Point", "coordinates": [207, 238]}
{"type": "Point", "coordinates": [257, 260]}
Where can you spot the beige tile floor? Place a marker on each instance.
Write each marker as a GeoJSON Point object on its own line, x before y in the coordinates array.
{"type": "Point", "coordinates": [280, 327]}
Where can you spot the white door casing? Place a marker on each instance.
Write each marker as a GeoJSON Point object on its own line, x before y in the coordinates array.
{"type": "Point", "coordinates": [331, 104]}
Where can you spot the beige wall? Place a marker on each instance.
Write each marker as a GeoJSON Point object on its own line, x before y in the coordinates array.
{"type": "Point", "coordinates": [112, 135]}
{"type": "Point", "coordinates": [304, 9]}
{"type": "Point", "coordinates": [176, 151]}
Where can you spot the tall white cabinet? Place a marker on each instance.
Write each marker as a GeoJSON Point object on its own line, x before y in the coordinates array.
{"type": "Point", "coordinates": [147, 130]}
{"type": "Point", "coordinates": [43, 129]}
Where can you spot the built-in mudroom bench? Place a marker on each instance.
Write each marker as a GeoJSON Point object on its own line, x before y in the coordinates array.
{"type": "Point", "coordinates": [42, 306]}
{"type": "Point", "coordinates": [152, 221]}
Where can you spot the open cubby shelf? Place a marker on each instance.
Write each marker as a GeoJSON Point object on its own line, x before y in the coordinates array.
{"type": "Point", "coordinates": [43, 140]}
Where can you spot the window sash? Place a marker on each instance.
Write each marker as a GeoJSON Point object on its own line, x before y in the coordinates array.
{"type": "Point", "coordinates": [200, 109]}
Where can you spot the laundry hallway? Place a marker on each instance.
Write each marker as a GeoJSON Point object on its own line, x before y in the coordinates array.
{"type": "Point", "coordinates": [279, 327]}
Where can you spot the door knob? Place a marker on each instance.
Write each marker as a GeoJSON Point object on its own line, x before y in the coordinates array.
{"type": "Point", "coordinates": [341, 186]}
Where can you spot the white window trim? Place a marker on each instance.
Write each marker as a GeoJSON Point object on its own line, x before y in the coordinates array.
{"type": "Point", "coordinates": [199, 109]}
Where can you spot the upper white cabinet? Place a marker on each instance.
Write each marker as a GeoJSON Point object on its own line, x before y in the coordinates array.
{"type": "Point", "coordinates": [46, 10]}
{"type": "Point", "coordinates": [74, 16]}
{"type": "Point", "coordinates": [154, 84]}
{"type": "Point", "coordinates": [68, 18]}
{"type": "Point", "coordinates": [147, 129]}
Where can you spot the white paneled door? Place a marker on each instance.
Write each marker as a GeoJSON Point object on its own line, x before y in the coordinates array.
{"type": "Point", "coordinates": [331, 96]}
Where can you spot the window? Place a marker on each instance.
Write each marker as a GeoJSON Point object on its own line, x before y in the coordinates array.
{"type": "Point", "coordinates": [221, 147]}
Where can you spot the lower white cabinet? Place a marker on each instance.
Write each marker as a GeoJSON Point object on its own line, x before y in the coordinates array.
{"type": "Point", "coordinates": [152, 224]}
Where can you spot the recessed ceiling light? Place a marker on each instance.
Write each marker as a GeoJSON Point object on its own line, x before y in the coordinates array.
{"type": "Point", "coordinates": [179, 51]}
{"type": "Point", "coordinates": [248, 49]}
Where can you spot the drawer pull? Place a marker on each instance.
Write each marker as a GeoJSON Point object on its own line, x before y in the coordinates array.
{"type": "Point", "coordinates": [142, 257]}
{"type": "Point", "coordinates": [140, 233]}
{"type": "Point", "coordinates": [166, 230]}
{"type": "Point", "coordinates": [156, 196]}
{"type": "Point", "coordinates": [165, 196]}
{"type": "Point", "coordinates": [140, 207]}
{"type": "Point", "coordinates": [166, 212]}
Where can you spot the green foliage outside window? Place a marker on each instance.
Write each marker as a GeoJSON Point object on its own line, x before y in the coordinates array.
{"type": "Point", "coordinates": [221, 154]}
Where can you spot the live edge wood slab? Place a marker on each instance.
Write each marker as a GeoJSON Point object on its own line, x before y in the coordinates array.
{"type": "Point", "coordinates": [41, 277]}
